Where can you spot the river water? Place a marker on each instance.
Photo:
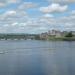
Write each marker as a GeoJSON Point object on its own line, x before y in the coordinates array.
{"type": "Point", "coordinates": [30, 57]}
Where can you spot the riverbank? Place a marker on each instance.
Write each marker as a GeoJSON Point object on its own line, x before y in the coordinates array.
{"type": "Point", "coordinates": [62, 39]}
{"type": "Point", "coordinates": [49, 39]}
{"type": "Point", "coordinates": [34, 37]}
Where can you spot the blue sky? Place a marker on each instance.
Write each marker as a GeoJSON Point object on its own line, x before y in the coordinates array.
{"type": "Point", "coordinates": [36, 16]}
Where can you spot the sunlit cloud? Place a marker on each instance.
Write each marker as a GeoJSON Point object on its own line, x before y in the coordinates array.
{"type": "Point", "coordinates": [54, 8]}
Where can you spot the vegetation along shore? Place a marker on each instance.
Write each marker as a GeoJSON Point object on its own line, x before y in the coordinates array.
{"type": "Point", "coordinates": [53, 35]}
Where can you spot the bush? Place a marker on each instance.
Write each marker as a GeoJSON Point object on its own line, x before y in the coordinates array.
{"type": "Point", "coordinates": [69, 34]}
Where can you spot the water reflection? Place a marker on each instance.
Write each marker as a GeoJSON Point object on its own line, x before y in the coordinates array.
{"type": "Point", "coordinates": [37, 58]}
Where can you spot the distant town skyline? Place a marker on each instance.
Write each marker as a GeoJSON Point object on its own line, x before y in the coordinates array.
{"type": "Point", "coordinates": [36, 16]}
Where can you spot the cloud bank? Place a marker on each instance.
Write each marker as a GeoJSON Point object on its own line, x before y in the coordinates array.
{"type": "Point", "coordinates": [29, 17]}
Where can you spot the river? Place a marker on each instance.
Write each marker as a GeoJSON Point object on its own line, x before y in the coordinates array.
{"type": "Point", "coordinates": [31, 57]}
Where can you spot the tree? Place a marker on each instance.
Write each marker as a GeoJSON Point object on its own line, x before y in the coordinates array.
{"type": "Point", "coordinates": [69, 34]}
{"type": "Point", "coordinates": [37, 37]}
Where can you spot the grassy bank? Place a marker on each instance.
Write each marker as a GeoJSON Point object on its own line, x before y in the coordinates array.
{"type": "Point", "coordinates": [61, 38]}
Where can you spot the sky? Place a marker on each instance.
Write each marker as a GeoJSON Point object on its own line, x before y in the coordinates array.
{"type": "Point", "coordinates": [36, 16]}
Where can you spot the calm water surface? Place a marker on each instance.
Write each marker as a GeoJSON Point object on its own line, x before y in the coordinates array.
{"type": "Point", "coordinates": [37, 58]}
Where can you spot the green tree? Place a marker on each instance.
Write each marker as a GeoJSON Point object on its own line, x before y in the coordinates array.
{"type": "Point", "coordinates": [69, 34]}
{"type": "Point", "coordinates": [37, 37]}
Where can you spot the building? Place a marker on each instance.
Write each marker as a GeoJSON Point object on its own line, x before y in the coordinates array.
{"type": "Point", "coordinates": [44, 36]}
{"type": "Point", "coordinates": [51, 33]}
{"type": "Point", "coordinates": [55, 33]}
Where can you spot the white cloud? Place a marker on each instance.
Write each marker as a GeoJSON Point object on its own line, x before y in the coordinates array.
{"type": "Point", "coordinates": [20, 21]}
{"type": "Point", "coordinates": [14, 24]}
{"type": "Point", "coordinates": [54, 8]}
{"type": "Point", "coordinates": [12, 12]}
{"type": "Point", "coordinates": [48, 15]}
{"type": "Point", "coordinates": [27, 5]}
{"type": "Point", "coordinates": [61, 1]}
{"type": "Point", "coordinates": [63, 23]}
{"type": "Point", "coordinates": [13, 1]}
{"type": "Point", "coordinates": [2, 4]}
{"type": "Point", "coordinates": [41, 24]}
{"type": "Point", "coordinates": [13, 15]}
{"type": "Point", "coordinates": [6, 2]}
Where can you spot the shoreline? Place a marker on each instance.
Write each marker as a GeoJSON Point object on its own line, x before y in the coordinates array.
{"type": "Point", "coordinates": [51, 39]}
